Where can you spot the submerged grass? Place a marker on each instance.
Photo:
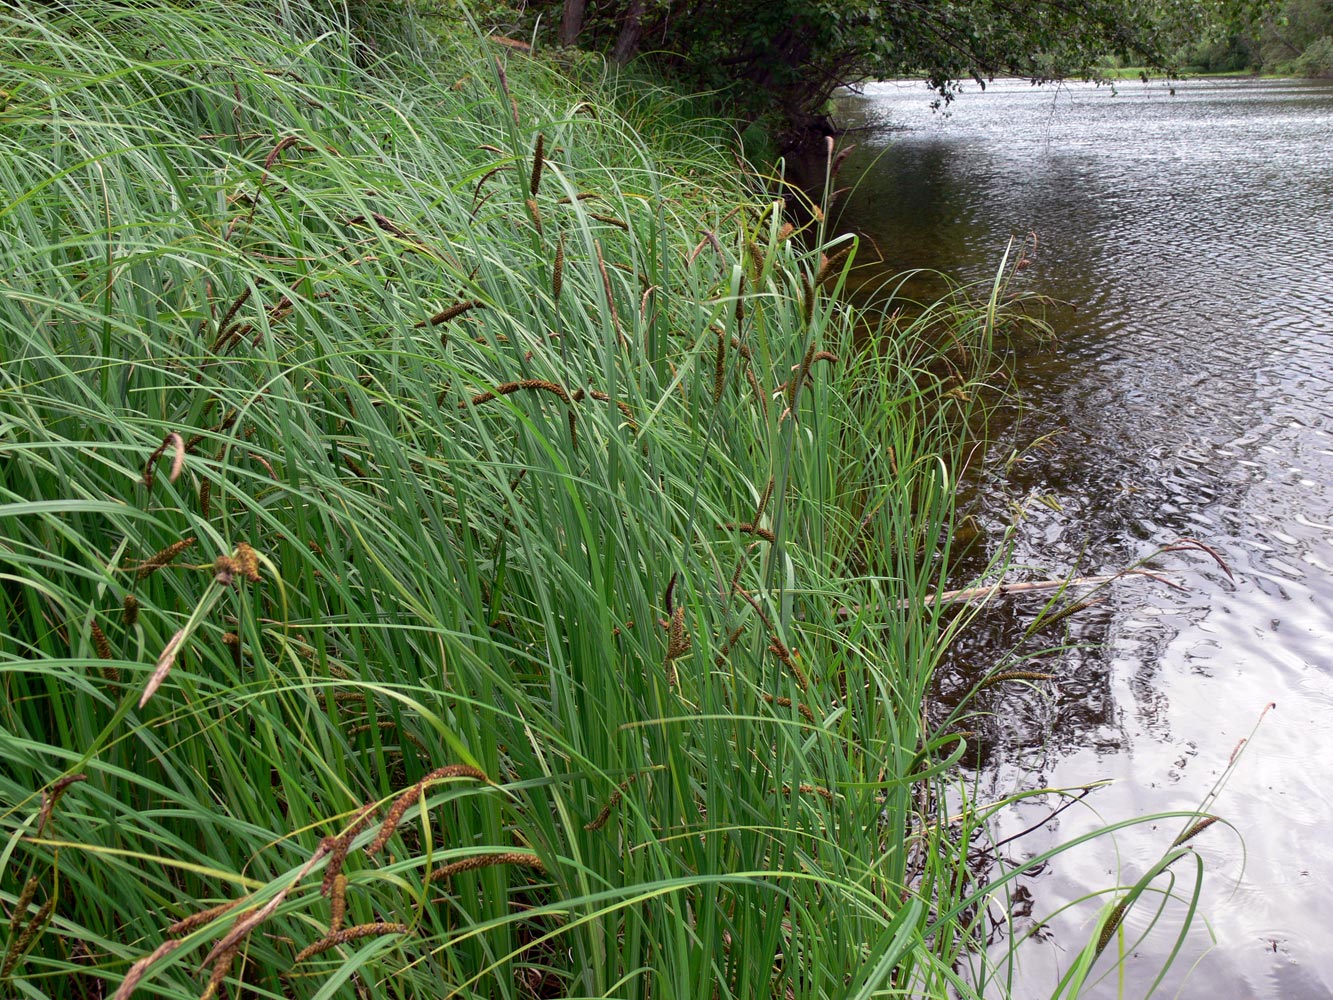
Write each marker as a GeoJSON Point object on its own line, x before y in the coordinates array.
{"type": "Point", "coordinates": [451, 544]}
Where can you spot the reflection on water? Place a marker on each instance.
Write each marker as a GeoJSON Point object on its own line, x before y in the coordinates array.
{"type": "Point", "coordinates": [1190, 394]}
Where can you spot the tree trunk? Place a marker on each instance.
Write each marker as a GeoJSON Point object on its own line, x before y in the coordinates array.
{"type": "Point", "coordinates": [571, 22]}
{"type": "Point", "coordinates": [631, 30]}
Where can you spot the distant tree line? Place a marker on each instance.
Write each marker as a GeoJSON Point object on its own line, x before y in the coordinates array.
{"type": "Point", "coordinates": [1296, 39]}
{"type": "Point", "coordinates": [785, 58]}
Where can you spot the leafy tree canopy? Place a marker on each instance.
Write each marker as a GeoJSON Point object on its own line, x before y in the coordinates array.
{"type": "Point", "coordinates": [788, 56]}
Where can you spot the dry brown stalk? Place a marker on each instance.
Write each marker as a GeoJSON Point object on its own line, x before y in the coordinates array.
{"type": "Point", "coordinates": [407, 797]}
{"type": "Point", "coordinates": [196, 920]}
{"type": "Point", "coordinates": [610, 298]}
{"type": "Point", "coordinates": [453, 312]}
{"type": "Point", "coordinates": [486, 861]}
{"type": "Point", "coordinates": [163, 557]}
{"type": "Point", "coordinates": [1197, 828]}
{"type": "Point", "coordinates": [511, 43]}
{"type": "Point", "coordinates": [535, 182]}
{"type": "Point", "coordinates": [558, 271]}
{"type": "Point", "coordinates": [177, 444]}
{"type": "Point", "coordinates": [141, 967]}
{"type": "Point", "coordinates": [163, 667]}
{"type": "Point", "coordinates": [511, 387]}
{"type": "Point", "coordinates": [476, 192]}
{"type": "Point", "coordinates": [611, 803]}
{"type": "Point", "coordinates": [752, 529]}
{"type": "Point", "coordinates": [806, 714]}
{"type": "Point", "coordinates": [378, 929]}
{"type": "Point", "coordinates": [130, 611]}
{"type": "Point", "coordinates": [51, 798]}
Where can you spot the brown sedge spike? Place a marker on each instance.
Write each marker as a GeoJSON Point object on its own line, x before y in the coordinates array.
{"type": "Point", "coordinates": [536, 180]}
{"type": "Point", "coordinates": [763, 500]}
{"type": "Point", "coordinates": [100, 642]}
{"type": "Point", "coordinates": [196, 920]}
{"type": "Point", "coordinates": [558, 271]}
{"type": "Point", "coordinates": [130, 611]}
{"type": "Point", "coordinates": [407, 797]}
{"type": "Point", "coordinates": [486, 861]}
{"type": "Point", "coordinates": [346, 936]}
{"type": "Point", "coordinates": [163, 557]}
{"type": "Point", "coordinates": [221, 969]}
{"type": "Point", "coordinates": [611, 803]}
{"type": "Point", "coordinates": [1194, 830]}
{"type": "Point", "coordinates": [453, 312]}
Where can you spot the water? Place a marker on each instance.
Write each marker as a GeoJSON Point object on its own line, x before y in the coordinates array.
{"type": "Point", "coordinates": [1190, 394]}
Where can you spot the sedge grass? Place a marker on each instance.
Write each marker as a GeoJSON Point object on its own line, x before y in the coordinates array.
{"type": "Point", "coordinates": [510, 532]}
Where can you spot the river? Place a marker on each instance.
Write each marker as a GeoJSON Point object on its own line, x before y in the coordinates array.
{"type": "Point", "coordinates": [1189, 393]}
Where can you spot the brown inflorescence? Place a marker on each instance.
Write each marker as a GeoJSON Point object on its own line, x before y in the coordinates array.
{"type": "Point", "coordinates": [1195, 829]}
{"type": "Point", "coordinates": [346, 936]}
{"type": "Point", "coordinates": [535, 182]}
{"type": "Point", "coordinates": [806, 714]}
{"type": "Point", "coordinates": [406, 798]}
{"type": "Point", "coordinates": [163, 557]}
{"type": "Point", "coordinates": [196, 920]}
{"type": "Point", "coordinates": [452, 312]}
{"type": "Point", "coordinates": [486, 861]}
{"type": "Point", "coordinates": [611, 803]}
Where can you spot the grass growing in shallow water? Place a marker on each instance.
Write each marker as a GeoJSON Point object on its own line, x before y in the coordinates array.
{"type": "Point", "coordinates": [451, 546]}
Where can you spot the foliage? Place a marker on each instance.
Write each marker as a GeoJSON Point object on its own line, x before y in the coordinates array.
{"type": "Point", "coordinates": [791, 55]}
{"type": "Point", "coordinates": [449, 545]}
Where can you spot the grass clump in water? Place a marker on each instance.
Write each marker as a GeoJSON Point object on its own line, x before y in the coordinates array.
{"type": "Point", "coordinates": [452, 539]}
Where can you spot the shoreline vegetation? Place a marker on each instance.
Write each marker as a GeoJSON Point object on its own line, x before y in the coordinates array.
{"type": "Point", "coordinates": [453, 542]}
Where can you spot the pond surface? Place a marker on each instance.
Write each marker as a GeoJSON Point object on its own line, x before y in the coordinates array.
{"type": "Point", "coordinates": [1190, 393]}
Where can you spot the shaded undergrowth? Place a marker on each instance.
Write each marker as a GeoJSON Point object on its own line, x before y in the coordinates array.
{"type": "Point", "coordinates": [449, 544]}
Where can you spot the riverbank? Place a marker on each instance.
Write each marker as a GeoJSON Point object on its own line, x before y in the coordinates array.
{"type": "Point", "coordinates": [452, 537]}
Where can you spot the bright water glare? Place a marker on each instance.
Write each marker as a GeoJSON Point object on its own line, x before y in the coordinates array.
{"type": "Point", "coordinates": [1190, 394]}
